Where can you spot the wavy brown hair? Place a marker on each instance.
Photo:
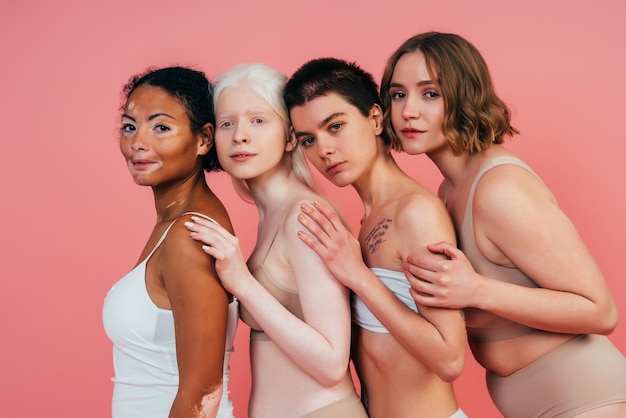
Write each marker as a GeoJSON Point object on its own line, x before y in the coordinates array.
{"type": "Point", "coordinates": [475, 117]}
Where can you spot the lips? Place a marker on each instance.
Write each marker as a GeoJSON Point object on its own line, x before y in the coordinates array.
{"type": "Point", "coordinates": [241, 156]}
{"type": "Point", "coordinates": [141, 165]}
{"type": "Point", "coordinates": [334, 168]}
{"type": "Point", "coordinates": [411, 132]}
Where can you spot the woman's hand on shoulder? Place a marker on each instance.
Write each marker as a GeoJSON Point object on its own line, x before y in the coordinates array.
{"type": "Point", "coordinates": [440, 275]}
{"type": "Point", "coordinates": [225, 248]}
{"type": "Point", "coordinates": [442, 278]}
{"type": "Point", "coordinates": [332, 242]}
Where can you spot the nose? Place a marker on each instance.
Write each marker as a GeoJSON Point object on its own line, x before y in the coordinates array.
{"type": "Point", "coordinates": [325, 146]}
{"type": "Point", "coordinates": [410, 109]}
{"type": "Point", "coordinates": [240, 136]}
{"type": "Point", "coordinates": [139, 141]}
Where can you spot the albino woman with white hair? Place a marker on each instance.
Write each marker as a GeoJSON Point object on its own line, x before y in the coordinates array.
{"type": "Point", "coordinates": [298, 313]}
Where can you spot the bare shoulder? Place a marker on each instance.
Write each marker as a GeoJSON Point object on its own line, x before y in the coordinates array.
{"type": "Point", "coordinates": [178, 246]}
{"type": "Point", "coordinates": [510, 188]}
{"type": "Point", "coordinates": [420, 206]}
{"type": "Point", "coordinates": [421, 219]}
{"type": "Point", "coordinates": [513, 211]}
{"type": "Point", "coordinates": [291, 224]}
{"type": "Point", "coordinates": [212, 208]}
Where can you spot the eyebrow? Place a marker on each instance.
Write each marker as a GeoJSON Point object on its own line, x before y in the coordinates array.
{"type": "Point", "coordinates": [323, 122]}
{"type": "Point", "coordinates": [421, 83]}
{"type": "Point", "coordinates": [256, 111]}
{"type": "Point", "coordinates": [156, 115]}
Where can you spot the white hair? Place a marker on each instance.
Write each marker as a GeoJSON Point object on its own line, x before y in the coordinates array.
{"type": "Point", "coordinates": [268, 84]}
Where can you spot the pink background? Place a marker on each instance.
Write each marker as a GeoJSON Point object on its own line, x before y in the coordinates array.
{"type": "Point", "coordinates": [73, 222]}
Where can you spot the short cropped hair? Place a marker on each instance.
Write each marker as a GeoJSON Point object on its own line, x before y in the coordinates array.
{"type": "Point", "coordinates": [322, 76]}
{"type": "Point", "coordinates": [475, 117]}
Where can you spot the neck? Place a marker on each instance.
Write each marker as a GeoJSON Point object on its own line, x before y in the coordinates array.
{"type": "Point", "coordinates": [271, 189]}
{"type": "Point", "coordinates": [380, 183]}
{"type": "Point", "coordinates": [174, 199]}
{"type": "Point", "coordinates": [451, 166]}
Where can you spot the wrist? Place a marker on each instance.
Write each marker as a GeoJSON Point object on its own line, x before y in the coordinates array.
{"type": "Point", "coordinates": [480, 296]}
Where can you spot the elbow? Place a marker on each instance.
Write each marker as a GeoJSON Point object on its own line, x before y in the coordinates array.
{"type": "Point", "coordinates": [608, 321]}
{"type": "Point", "coordinates": [450, 370]}
{"type": "Point", "coordinates": [332, 376]}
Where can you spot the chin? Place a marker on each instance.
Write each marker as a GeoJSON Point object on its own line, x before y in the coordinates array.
{"type": "Point", "coordinates": [339, 182]}
{"type": "Point", "coordinates": [142, 181]}
{"type": "Point", "coordinates": [411, 149]}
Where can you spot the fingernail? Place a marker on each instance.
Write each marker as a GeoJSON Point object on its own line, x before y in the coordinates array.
{"type": "Point", "coordinates": [189, 224]}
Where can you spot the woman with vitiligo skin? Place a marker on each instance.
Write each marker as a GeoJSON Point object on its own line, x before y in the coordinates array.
{"type": "Point", "coordinates": [171, 322]}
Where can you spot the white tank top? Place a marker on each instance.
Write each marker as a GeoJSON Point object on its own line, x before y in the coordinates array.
{"type": "Point", "coordinates": [144, 347]}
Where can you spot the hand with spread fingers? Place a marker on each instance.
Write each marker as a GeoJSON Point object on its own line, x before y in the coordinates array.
{"type": "Point", "coordinates": [442, 282]}
{"type": "Point", "coordinates": [337, 247]}
{"type": "Point", "coordinates": [224, 247]}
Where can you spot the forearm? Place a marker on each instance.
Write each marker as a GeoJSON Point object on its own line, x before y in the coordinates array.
{"type": "Point", "coordinates": [545, 309]}
{"type": "Point", "coordinates": [194, 404]}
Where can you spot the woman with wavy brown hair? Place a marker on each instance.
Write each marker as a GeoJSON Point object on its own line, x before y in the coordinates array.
{"type": "Point", "coordinates": [536, 303]}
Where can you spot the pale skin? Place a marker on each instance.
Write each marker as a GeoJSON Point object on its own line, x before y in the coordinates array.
{"type": "Point", "coordinates": [517, 224]}
{"type": "Point", "coordinates": [163, 153]}
{"type": "Point", "coordinates": [405, 372]}
{"type": "Point", "coordinates": [307, 357]}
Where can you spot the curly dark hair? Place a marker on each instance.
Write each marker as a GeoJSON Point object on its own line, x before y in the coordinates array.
{"type": "Point", "coordinates": [193, 91]}
{"type": "Point", "coordinates": [475, 117]}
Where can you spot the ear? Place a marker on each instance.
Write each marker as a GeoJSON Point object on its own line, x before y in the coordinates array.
{"type": "Point", "coordinates": [376, 113]}
{"type": "Point", "coordinates": [206, 139]}
{"type": "Point", "coordinates": [292, 142]}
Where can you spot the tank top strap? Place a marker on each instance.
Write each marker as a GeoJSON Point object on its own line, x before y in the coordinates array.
{"type": "Point", "coordinates": [160, 241]}
{"type": "Point", "coordinates": [503, 159]}
{"type": "Point", "coordinates": [202, 215]}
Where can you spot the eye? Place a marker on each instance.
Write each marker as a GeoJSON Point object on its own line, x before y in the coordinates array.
{"type": "Point", "coordinates": [398, 95]}
{"type": "Point", "coordinates": [128, 127]}
{"type": "Point", "coordinates": [335, 127]}
{"type": "Point", "coordinates": [162, 128]}
{"type": "Point", "coordinates": [431, 94]}
{"type": "Point", "coordinates": [225, 124]}
{"type": "Point", "coordinates": [307, 141]}
{"type": "Point", "coordinates": [257, 121]}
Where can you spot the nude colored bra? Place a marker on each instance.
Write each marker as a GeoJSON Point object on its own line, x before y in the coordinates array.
{"type": "Point", "coordinates": [467, 243]}
{"type": "Point", "coordinates": [282, 290]}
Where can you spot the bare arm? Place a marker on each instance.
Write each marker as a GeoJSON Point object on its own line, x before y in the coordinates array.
{"type": "Point", "coordinates": [520, 225]}
{"type": "Point", "coordinates": [319, 345]}
{"type": "Point", "coordinates": [437, 336]}
{"type": "Point", "coordinates": [200, 308]}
